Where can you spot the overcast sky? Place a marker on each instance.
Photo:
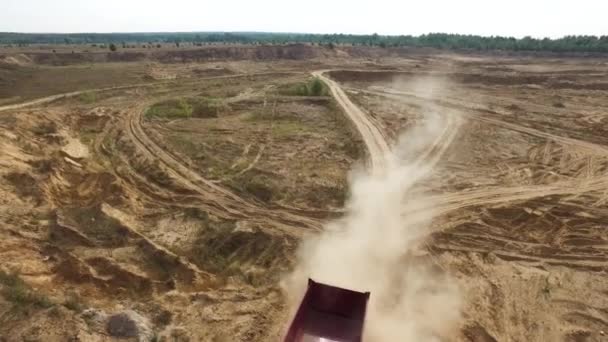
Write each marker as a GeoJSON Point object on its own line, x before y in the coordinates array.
{"type": "Point", "coordinates": [538, 18]}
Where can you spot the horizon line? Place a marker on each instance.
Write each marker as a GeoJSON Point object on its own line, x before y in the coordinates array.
{"type": "Point", "coordinates": [300, 33]}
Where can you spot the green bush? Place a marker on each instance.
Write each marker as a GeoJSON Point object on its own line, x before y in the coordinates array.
{"type": "Point", "coordinates": [314, 87]}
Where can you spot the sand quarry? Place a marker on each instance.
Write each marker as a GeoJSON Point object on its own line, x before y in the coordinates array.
{"type": "Point", "coordinates": [184, 196]}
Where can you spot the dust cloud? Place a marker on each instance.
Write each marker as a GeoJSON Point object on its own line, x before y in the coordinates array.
{"type": "Point", "coordinates": [378, 247]}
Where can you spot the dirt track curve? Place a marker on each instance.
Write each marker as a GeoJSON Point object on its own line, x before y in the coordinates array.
{"type": "Point", "coordinates": [375, 142]}
{"type": "Point", "coordinates": [445, 203]}
{"type": "Point", "coordinates": [373, 138]}
{"type": "Point", "coordinates": [221, 198]}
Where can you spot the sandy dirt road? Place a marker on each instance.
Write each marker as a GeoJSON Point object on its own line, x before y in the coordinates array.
{"type": "Point", "coordinates": [374, 139]}
{"type": "Point", "coordinates": [481, 114]}
{"type": "Point", "coordinates": [454, 201]}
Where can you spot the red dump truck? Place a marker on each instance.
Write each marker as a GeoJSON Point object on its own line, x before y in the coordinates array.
{"type": "Point", "coordinates": [329, 314]}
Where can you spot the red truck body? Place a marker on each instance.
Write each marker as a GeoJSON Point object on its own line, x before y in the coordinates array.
{"type": "Point", "coordinates": [329, 313]}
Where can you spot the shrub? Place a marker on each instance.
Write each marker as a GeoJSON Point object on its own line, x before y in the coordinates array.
{"type": "Point", "coordinates": [314, 87]}
{"type": "Point", "coordinates": [112, 47]}
{"type": "Point", "coordinates": [16, 291]}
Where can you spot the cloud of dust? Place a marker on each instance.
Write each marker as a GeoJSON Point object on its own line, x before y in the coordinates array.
{"type": "Point", "coordinates": [377, 247]}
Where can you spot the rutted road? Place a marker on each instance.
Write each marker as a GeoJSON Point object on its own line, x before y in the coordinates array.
{"type": "Point", "coordinates": [220, 197]}
{"type": "Point", "coordinates": [448, 202]}
{"type": "Point", "coordinates": [482, 114]}
{"type": "Point", "coordinates": [373, 138]}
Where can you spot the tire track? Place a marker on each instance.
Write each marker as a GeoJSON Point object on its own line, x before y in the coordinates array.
{"type": "Point", "coordinates": [374, 139]}
{"type": "Point", "coordinates": [221, 198]}
{"type": "Point", "coordinates": [53, 98]}
{"type": "Point", "coordinates": [456, 104]}
{"type": "Point", "coordinates": [455, 201]}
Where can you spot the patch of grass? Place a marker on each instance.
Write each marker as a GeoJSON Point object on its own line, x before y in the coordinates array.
{"type": "Point", "coordinates": [286, 129]}
{"type": "Point", "coordinates": [314, 87]}
{"type": "Point", "coordinates": [74, 302]}
{"type": "Point", "coordinates": [284, 125]}
{"type": "Point", "coordinates": [259, 185]}
{"type": "Point", "coordinates": [170, 109]}
{"type": "Point", "coordinates": [25, 185]}
{"type": "Point", "coordinates": [259, 115]}
{"type": "Point", "coordinates": [252, 256]}
{"type": "Point", "coordinates": [45, 128]}
{"type": "Point", "coordinates": [88, 97]}
{"type": "Point", "coordinates": [10, 279]}
{"type": "Point", "coordinates": [16, 291]}
{"type": "Point", "coordinates": [87, 137]}
{"type": "Point", "coordinates": [205, 107]}
{"type": "Point", "coordinates": [95, 224]}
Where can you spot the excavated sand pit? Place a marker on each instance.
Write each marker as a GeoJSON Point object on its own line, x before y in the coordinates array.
{"type": "Point", "coordinates": [118, 221]}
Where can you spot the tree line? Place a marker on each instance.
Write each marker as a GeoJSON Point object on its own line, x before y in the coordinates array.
{"type": "Point", "coordinates": [434, 40]}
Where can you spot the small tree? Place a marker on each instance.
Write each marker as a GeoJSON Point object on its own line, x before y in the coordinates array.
{"type": "Point", "coordinates": [112, 47]}
{"type": "Point", "coordinates": [317, 87]}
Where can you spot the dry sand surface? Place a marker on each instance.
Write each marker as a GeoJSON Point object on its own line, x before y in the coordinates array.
{"type": "Point", "coordinates": [150, 200]}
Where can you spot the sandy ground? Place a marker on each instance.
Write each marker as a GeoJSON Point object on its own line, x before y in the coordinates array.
{"type": "Point", "coordinates": [103, 213]}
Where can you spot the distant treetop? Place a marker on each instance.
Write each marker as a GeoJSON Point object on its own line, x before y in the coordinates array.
{"type": "Point", "coordinates": [435, 40]}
